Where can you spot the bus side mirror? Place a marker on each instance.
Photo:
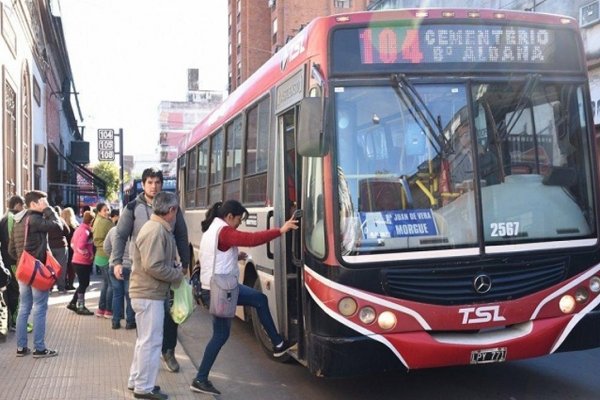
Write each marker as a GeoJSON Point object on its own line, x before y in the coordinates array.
{"type": "Point", "coordinates": [310, 139]}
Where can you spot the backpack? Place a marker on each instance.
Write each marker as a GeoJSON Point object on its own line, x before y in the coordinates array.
{"type": "Point", "coordinates": [131, 207]}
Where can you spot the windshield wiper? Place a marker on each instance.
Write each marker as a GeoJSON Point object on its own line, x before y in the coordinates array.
{"type": "Point", "coordinates": [415, 104]}
{"type": "Point", "coordinates": [524, 100]}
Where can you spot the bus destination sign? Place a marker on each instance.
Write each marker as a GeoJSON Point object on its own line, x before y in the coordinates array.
{"type": "Point", "coordinates": [456, 44]}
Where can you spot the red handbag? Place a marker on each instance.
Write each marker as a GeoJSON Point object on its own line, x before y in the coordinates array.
{"type": "Point", "coordinates": [33, 272]}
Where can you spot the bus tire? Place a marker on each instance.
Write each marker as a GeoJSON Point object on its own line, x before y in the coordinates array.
{"type": "Point", "coordinates": [261, 334]}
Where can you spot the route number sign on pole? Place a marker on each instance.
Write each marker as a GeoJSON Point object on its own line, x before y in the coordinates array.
{"type": "Point", "coordinates": [106, 144]}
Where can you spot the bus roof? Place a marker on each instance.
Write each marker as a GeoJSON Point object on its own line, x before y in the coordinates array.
{"type": "Point", "coordinates": [312, 40]}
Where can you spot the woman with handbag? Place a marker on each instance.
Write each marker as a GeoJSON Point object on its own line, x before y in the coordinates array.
{"type": "Point", "coordinates": [219, 255]}
{"type": "Point", "coordinates": [30, 234]}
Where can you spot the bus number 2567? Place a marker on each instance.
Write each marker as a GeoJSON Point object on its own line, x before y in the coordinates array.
{"type": "Point", "coordinates": [504, 229]}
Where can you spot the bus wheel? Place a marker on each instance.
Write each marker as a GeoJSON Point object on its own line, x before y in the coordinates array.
{"type": "Point", "coordinates": [260, 333]}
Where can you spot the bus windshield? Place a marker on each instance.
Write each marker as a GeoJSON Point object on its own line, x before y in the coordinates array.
{"type": "Point", "coordinates": [508, 162]}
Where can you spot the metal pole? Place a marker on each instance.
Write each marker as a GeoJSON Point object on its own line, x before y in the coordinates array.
{"type": "Point", "coordinates": [122, 166]}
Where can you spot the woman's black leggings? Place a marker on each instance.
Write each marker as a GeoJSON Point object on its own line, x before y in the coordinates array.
{"type": "Point", "coordinates": [83, 276]}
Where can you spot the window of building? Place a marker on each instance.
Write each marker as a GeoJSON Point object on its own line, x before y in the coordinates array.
{"type": "Point", "coordinates": [274, 38]}
{"type": "Point", "coordinates": [342, 3]}
{"type": "Point", "coordinates": [10, 139]}
{"type": "Point", "coordinates": [589, 14]}
{"type": "Point", "coordinates": [25, 131]}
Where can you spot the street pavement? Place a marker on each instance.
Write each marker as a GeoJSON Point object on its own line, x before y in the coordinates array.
{"type": "Point", "coordinates": [92, 363]}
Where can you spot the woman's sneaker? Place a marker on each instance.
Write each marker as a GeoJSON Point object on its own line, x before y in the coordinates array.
{"type": "Point", "coordinates": [99, 313]}
{"type": "Point", "coordinates": [44, 353]}
{"type": "Point", "coordinates": [281, 349]}
{"type": "Point", "coordinates": [203, 387]}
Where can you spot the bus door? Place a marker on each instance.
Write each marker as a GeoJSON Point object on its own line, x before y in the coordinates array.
{"type": "Point", "coordinates": [291, 267]}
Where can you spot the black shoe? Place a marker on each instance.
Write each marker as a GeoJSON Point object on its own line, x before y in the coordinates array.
{"type": "Point", "coordinates": [23, 352]}
{"type": "Point", "coordinates": [70, 287]}
{"type": "Point", "coordinates": [72, 307]}
{"type": "Point", "coordinates": [130, 325]}
{"type": "Point", "coordinates": [116, 325]}
{"type": "Point", "coordinates": [83, 311]}
{"type": "Point", "coordinates": [281, 349]}
{"type": "Point", "coordinates": [203, 387]}
{"type": "Point", "coordinates": [44, 353]}
{"type": "Point", "coordinates": [170, 360]}
{"type": "Point", "coordinates": [156, 388]}
{"type": "Point", "coordinates": [155, 394]}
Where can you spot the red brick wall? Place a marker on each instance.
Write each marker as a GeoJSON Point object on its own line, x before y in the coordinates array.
{"type": "Point", "coordinates": [256, 28]}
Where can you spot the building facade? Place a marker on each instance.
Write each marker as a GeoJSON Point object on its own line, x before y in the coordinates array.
{"type": "Point", "coordinates": [39, 101]}
{"type": "Point", "coordinates": [259, 28]}
{"type": "Point", "coordinates": [178, 118]}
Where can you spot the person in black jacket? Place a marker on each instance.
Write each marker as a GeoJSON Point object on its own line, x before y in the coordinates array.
{"type": "Point", "coordinates": [30, 233]}
{"type": "Point", "coordinates": [11, 295]}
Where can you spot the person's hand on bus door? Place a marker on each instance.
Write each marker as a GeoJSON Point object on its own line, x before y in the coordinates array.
{"type": "Point", "coordinates": [290, 224]}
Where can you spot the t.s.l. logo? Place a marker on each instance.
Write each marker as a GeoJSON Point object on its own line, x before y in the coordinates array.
{"type": "Point", "coordinates": [478, 315]}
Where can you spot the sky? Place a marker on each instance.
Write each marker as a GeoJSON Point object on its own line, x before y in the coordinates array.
{"type": "Point", "coordinates": [129, 55]}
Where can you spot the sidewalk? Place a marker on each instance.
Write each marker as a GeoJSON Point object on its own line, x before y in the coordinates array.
{"type": "Point", "coordinates": [92, 363]}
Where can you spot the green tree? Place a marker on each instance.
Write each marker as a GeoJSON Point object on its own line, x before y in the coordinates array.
{"type": "Point", "coordinates": [109, 172]}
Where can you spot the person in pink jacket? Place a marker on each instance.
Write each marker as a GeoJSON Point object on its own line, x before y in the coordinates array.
{"type": "Point", "coordinates": [83, 258]}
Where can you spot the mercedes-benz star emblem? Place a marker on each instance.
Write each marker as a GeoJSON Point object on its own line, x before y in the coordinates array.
{"type": "Point", "coordinates": [482, 284]}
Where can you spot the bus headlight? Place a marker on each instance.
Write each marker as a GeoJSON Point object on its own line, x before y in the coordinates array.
{"type": "Point", "coordinates": [595, 284]}
{"type": "Point", "coordinates": [567, 304]}
{"type": "Point", "coordinates": [386, 320]}
{"type": "Point", "coordinates": [347, 306]}
{"type": "Point", "coordinates": [366, 315]}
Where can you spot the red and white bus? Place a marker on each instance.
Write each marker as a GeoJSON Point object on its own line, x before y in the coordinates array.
{"type": "Point", "coordinates": [445, 164]}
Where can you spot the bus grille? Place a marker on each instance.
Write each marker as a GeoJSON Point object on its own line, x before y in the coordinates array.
{"type": "Point", "coordinates": [450, 285]}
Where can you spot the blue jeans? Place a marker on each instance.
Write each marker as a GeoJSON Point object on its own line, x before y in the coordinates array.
{"type": "Point", "coordinates": [222, 328]}
{"type": "Point", "coordinates": [120, 291]}
{"type": "Point", "coordinates": [31, 298]}
{"type": "Point", "coordinates": [105, 301]}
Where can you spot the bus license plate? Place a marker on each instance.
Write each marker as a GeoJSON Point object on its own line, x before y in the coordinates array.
{"type": "Point", "coordinates": [488, 356]}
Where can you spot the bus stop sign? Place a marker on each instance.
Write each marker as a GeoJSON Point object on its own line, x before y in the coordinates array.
{"type": "Point", "coordinates": [106, 144]}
